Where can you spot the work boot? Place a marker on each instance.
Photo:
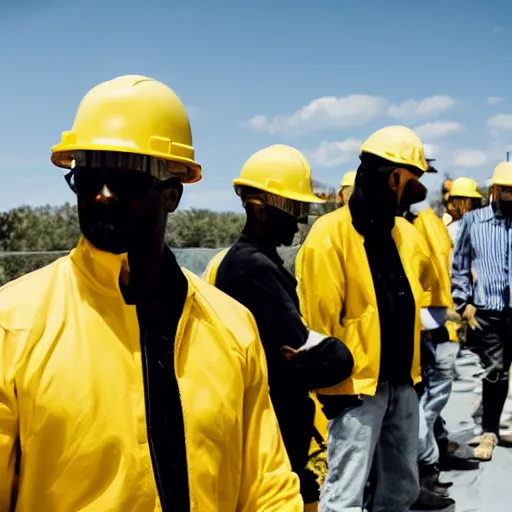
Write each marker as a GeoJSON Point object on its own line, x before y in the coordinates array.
{"type": "Point", "coordinates": [505, 441]}
{"type": "Point", "coordinates": [432, 496]}
{"type": "Point", "coordinates": [429, 500]}
{"type": "Point", "coordinates": [443, 484]}
{"type": "Point", "coordinates": [486, 444]}
{"type": "Point", "coordinates": [456, 457]}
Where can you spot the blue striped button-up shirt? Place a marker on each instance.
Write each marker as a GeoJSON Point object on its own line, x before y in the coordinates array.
{"type": "Point", "coordinates": [481, 261]}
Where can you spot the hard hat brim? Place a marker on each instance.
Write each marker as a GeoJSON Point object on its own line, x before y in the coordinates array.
{"type": "Point", "coordinates": [501, 183]}
{"type": "Point", "coordinates": [62, 156]}
{"type": "Point", "coordinates": [303, 198]}
{"type": "Point", "coordinates": [471, 195]}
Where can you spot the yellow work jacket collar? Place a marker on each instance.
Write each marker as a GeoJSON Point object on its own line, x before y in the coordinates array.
{"type": "Point", "coordinates": [101, 270]}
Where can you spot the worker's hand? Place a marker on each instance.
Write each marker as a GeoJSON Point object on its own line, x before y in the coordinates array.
{"type": "Point", "coordinates": [453, 316]}
{"type": "Point", "coordinates": [469, 316]}
{"type": "Point", "coordinates": [288, 352]}
{"type": "Point", "coordinates": [313, 340]}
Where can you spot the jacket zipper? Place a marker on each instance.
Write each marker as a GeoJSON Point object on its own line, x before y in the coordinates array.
{"type": "Point", "coordinates": [156, 470]}
{"type": "Point", "coordinates": [177, 343]}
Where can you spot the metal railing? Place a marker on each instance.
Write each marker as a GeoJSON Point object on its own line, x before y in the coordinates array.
{"type": "Point", "coordinates": [7, 254]}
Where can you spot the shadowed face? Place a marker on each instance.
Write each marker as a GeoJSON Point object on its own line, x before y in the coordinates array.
{"type": "Point", "coordinates": [119, 210]}
{"type": "Point", "coordinates": [503, 198]}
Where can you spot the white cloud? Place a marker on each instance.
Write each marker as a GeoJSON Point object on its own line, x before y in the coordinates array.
{"type": "Point", "coordinates": [326, 112]}
{"type": "Point", "coordinates": [497, 29]}
{"type": "Point", "coordinates": [494, 100]}
{"type": "Point", "coordinates": [500, 123]}
{"type": "Point", "coordinates": [437, 129]}
{"type": "Point", "coordinates": [428, 107]}
{"type": "Point", "coordinates": [332, 154]}
{"type": "Point", "coordinates": [432, 150]}
{"type": "Point", "coordinates": [469, 158]}
{"type": "Point", "coordinates": [347, 111]}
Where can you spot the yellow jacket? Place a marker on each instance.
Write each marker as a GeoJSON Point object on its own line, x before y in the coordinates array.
{"type": "Point", "coordinates": [210, 273]}
{"type": "Point", "coordinates": [440, 246]}
{"type": "Point", "coordinates": [71, 394]}
{"type": "Point", "coordinates": [337, 295]}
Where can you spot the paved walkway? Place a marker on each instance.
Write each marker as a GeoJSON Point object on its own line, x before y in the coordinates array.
{"type": "Point", "coordinates": [488, 489]}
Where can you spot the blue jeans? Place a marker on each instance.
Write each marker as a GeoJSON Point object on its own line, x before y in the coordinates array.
{"type": "Point", "coordinates": [380, 434]}
{"type": "Point", "coordinates": [438, 380]}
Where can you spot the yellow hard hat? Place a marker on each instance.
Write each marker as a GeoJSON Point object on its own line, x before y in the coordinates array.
{"type": "Point", "coordinates": [465, 187]}
{"type": "Point", "coordinates": [349, 179]}
{"type": "Point", "coordinates": [503, 174]}
{"type": "Point", "coordinates": [280, 170]}
{"type": "Point", "coordinates": [397, 144]}
{"type": "Point", "coordinates": [131, 114]}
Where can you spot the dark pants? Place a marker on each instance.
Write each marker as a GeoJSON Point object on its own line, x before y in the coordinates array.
{"type": "Point", "coordinates": [378, 435]}
{"type": "Point", "coordinates": [493, 345]}
{"type": "Point", "coordinates": [296, 421]}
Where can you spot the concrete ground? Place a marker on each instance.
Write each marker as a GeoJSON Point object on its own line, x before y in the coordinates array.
{"type": "Point", "coordinates": [488, 489]}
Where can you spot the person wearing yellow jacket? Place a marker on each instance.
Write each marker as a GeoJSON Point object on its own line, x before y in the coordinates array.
{"type": "Point", "coordinates": [438, 359]}
{"type": "Point", "coordinates": [346, 188]}
{"type": "Point", "coordinates": [126, 383]}
{"type": "Point", "coordinates": [276, 190]}
{"type": "Point", "coordinates": [362, 278]}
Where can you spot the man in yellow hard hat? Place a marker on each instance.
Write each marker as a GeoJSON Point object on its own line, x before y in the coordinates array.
{"type": "Point", "coordinates": [463, 197]}
{"type": "Point", "coordinates": [482, 295]}
{"type": "Point", "coordinates": [362, 278]}
{"type": "Point", "coordinates": [276, 190]}
{"type": "Point", "coordinates": [126, 383]}
{"type": "Point", "coordinates": [346, 188]}
{"type": "Point", "coordinates": [439, 352]}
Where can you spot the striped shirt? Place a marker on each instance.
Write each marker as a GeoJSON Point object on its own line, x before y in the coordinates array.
{"type": "Point", "coordinates": [481, 261]}
{"type": "Point", "coordinates": [453, 230]}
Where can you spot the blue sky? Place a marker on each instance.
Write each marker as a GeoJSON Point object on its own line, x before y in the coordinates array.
{"type": "Point", "coordinates": [320, 76]}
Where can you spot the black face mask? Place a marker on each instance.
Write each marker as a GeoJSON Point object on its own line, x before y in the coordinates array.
{"type": "Point", "coordinates": [505, 208]}
{"type": "Point", "coordinates": [280, 227]}
{"type": "Point", "coordinates": [413, 192]}
{"type": "Point", "coordinates": [109, 227]}
{"type": "Point", "coordinates": [113, 225]}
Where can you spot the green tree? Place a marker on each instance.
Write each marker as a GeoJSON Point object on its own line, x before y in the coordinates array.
{"type": "Point", "coordinates": [56, 228]}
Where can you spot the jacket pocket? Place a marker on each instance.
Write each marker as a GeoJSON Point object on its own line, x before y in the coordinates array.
{"type": "Point", "coordinates": [358, 336]}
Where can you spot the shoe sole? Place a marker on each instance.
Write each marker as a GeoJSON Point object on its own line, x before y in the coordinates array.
{"type": "Point", "coordinates": [449, 508]}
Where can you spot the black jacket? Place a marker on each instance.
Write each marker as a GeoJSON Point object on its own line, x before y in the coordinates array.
{"type": "Point", "coordinates": [254, 275]}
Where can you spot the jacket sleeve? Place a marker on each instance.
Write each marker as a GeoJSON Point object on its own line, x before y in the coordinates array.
{"type": "Point", "coordinates": [321, 285]}
{"type": "Point", "coordinates": [8, 428]}
{"type": "Point", "coordinates": [278, 319]}
{"type": "Point", "coordinates": [268, 483]}
{"type": "Point", "coordinates": [435, 265]}
{"type": "Point", "coordinates": [462, 282]}
{"type": "Point", "coordinates": [428, 272]}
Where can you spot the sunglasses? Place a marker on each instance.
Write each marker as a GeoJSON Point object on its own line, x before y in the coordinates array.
{"type": "Point", "coordinates": [124, 184]}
